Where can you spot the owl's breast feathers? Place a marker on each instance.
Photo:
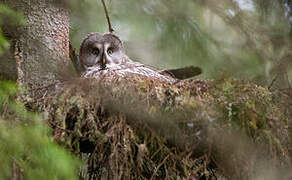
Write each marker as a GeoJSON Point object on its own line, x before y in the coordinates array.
{"type": "Point", "coordinates": [127, 69]}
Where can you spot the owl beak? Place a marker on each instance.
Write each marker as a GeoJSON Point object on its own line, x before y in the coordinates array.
{"type": "Point", "coordinates": [103, 61]}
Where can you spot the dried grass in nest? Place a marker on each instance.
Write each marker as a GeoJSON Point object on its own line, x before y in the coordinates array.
{"type": "Point", "coordinates": [141, 128]}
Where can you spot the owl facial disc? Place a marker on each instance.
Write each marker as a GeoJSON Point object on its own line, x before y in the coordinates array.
{"type": "Point", "coordinates": [101, 51]}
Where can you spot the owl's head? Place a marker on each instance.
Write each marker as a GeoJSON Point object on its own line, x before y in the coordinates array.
{"type": "Point", "coordinates": [101, 50]}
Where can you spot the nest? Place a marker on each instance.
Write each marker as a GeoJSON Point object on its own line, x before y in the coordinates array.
{"type": "Point", "coordinates": [138, 127]}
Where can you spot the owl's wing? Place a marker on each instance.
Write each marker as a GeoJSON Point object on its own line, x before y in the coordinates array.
{"type": "Point", "coordinates": [178, 73]}
{"type": "Point", "coordinates": [133, 67]}
{"type": "Point", "coordinates": [183, 73]}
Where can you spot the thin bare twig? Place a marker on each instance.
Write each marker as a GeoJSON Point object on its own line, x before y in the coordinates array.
{"type": "Point", "coordinates": [157, 168]}
{"type": "Point", "coordinates": [273, 80]}
{"type": "Point", "coordinates": [110, 29]}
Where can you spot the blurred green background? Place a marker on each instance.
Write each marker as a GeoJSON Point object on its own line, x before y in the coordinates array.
{"type": "Point", "coordinates": [248, 39]}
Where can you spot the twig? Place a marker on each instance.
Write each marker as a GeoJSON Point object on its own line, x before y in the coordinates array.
{"type": "Point", "coordinates": [107, 17]}
{"type": "Point", "coordinates": [272, 83]}
{"type": "Point", "coordinates": [59, 127]}
{"type": "Point", "coordinates": [287, 79]}
{"type": "Point", "coordinates": [159, 167]}
{"type": "Point", "coordinates": [156, 152]}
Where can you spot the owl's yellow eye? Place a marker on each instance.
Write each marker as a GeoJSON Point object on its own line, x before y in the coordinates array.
{"type": "Point", "coordinates": [110, 51]}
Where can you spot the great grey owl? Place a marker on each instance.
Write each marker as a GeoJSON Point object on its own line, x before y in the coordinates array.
{"type": "Point", "coordinates": [104, 53]}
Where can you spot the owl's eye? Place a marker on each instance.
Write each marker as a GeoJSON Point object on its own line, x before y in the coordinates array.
{"type": "Point", "coordinates": [95, 51]}
{"type": "Point", "coordinates": [110, 51]}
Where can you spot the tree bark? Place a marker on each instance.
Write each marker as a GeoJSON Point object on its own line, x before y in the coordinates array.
{"type": "Point", "coordinates": [42, 45]}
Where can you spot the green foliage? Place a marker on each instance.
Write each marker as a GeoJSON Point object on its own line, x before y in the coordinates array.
{"type": "Point", "coordinates": [25, 141]}
{"type": "Point", "coordinates": [8, 17]}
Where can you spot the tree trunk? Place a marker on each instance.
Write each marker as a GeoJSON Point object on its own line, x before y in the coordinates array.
{"type": "Point", "coordinates": [42, 45]}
